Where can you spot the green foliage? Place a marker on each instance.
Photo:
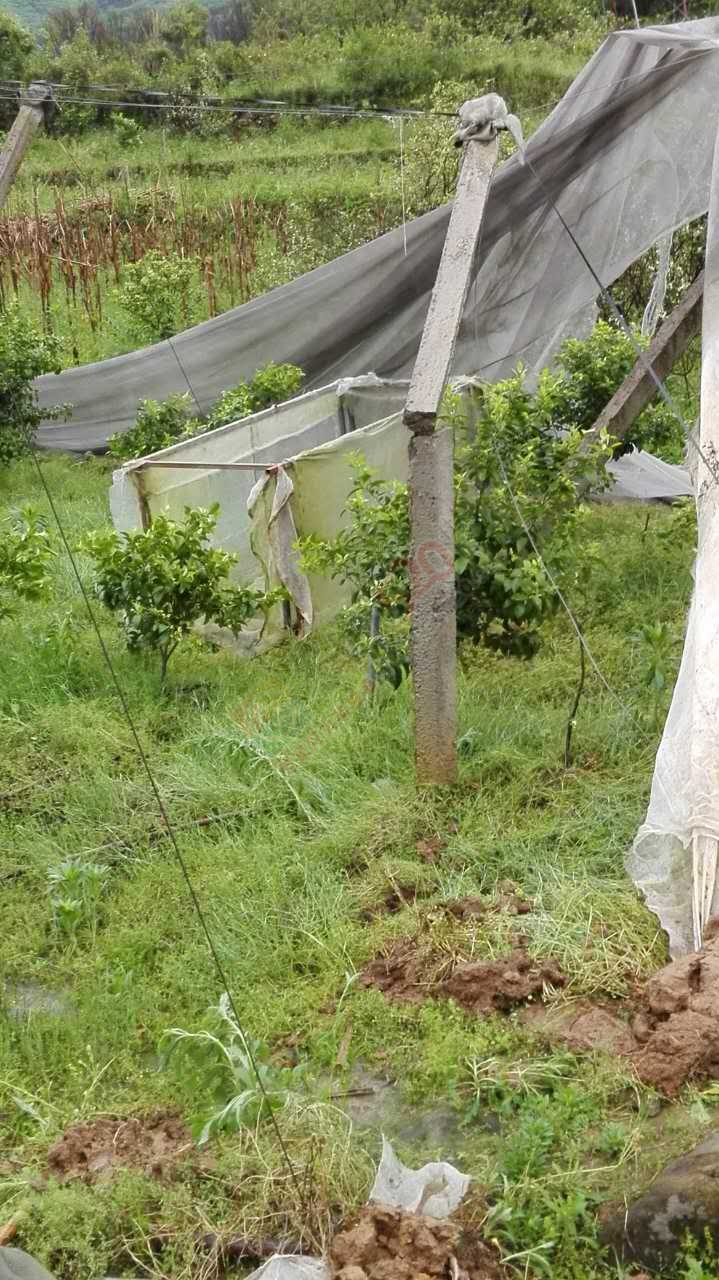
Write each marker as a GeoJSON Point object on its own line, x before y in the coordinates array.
{"type": "Point", "coordinates": [75, 887]}
{"type": "Point", "coordinates": [593, 369]}
{"type": "Point", "coordinates": [657, 647]}
{"type": "Point", "coordinates": [25, 353]}
{"type": "Point", "coordinates": [220, 1067]}
{"type": "Point", "coordinates": [270, 385]}
{"type": "Point", "coordinates": [25, 555]}
{"type": "Point", "coordinates": [16, 45]}
{"type": "Point", "coordinates": [128, 130]}
{"type": "Point", "coordinates": [159, 295]}
{"type": "Point", "coordinates": [516, 497]}
{"type": "Point", "coordinates": [164, 580]}
{"type": "Point", "coordinates": [183, 25]}
{"type": "Point", "coordinates": [159, 424]}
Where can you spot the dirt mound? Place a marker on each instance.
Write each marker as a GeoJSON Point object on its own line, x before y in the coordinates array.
{"type": "Point", "coordinates": [408, 974]}
{"type": "Point", "coordinates": [674, 1034]}
{"type": "Point", "coordinates": [583, 1027]}
{"type": "Point", "coordinates": [472, 907]}
{"type": "Point", "coordinates": [679, 1028]}
{"type": "Point", "coordinates": [94, 1150]}
{"type": "Point", "coordinates": [387, 1244]}
{"type": "Point", "coordinates": [500, 984]}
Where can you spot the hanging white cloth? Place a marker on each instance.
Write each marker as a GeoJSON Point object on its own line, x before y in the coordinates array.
{"type": "Point", "coordinates": [674, 857]}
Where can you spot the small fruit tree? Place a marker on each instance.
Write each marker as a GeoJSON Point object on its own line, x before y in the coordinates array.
{"type": "Point", "coordinates": [519, 475]}
{"type": "Point", "coordinates": [25, 353]}
{"type": "Point", "coordinates": [165, 579]}
{"type": "Point", "coordinates": [25, 554]}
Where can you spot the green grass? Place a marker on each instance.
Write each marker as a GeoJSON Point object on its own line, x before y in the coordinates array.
{"type": "Point", "coordinates": [304, 837]}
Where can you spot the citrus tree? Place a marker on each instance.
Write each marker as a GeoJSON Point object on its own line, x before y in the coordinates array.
{"type": "Point", "coordinates": [162, 581]}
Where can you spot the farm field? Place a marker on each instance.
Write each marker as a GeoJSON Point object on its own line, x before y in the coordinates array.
{"type": "Point", "coordinates": [464, 971]}
{"type": "Point", "coordinates": [312, 853]}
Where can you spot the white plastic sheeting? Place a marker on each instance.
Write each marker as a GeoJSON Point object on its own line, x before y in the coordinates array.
{"type": "Point", "coordinates": [674, 858]}
{"type": "Point", "coordinates": [437, 1189]}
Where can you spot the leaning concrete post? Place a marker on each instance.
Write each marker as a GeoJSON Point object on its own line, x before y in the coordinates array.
{"type": "Point", "coordinates": [431, 475]}
{"type": "Point", "coordinates": [33, 105]}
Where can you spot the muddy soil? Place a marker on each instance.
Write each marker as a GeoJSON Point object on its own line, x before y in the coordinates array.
{"type": "Point", "coordinates": [388, 1244]}
{"type": "Point", "coordinates": [93, 1151]}
{"type": "Point", "coordinates": [670, 1036]}
{"type": "Point", "coordinates": [678, 1029]}
{"type": "Point", "coordinates": [409, 974]}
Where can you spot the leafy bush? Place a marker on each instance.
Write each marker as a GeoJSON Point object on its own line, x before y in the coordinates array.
{"type": "Point", "coordinates": [593, 369]}
{"type": "Point", "coordinates": [503, 593]}
{"type": "Point", "coordinates": [165, 579]}
{"type": "Point", "coordinates": [128, 131]}
{"type": "Point", "coordinates": [25, 554]}
{"type": "Point", "coordinates": [25, 353]}
{"type": "Point", "coordinates": [159, 295]}
{"type": "Point", "coordinates": [159, 424]}
{"type": "Point", "coordinates": [272, 384]}
{"type": "Point", "coordinates": [220, 1066]}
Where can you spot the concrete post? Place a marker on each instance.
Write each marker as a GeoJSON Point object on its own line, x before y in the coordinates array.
{"type": "Point", "coordinates": [431, 481]}
{"type": "Point", "coordinates": [33, 104]}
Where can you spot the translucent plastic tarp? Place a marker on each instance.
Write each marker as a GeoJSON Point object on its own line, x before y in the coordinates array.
{"type": "Point", "coordinates": [674, 858]}
{"type": "Point", "coordinates": [626, 154]}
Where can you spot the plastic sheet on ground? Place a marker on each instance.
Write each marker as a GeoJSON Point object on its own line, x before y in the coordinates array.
{"type": "Point", "coordinates": [15, 1264]}
{"type": "Point", "coordinates": [292, 1267]}
{"type": "Point", "coordinates": [437, 1189]}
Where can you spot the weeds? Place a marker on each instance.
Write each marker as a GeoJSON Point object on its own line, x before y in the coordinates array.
{"type": "Point", "coordinates": [237, 1073]}
{"type": "Point", "coordinates": [75, 888]}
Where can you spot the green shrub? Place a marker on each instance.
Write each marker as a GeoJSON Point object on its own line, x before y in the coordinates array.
{"type": "Point", "coordinates": [593, 369]}
{"type": "Point", "coordinates": [25, 554]}
{"type": "Point", "coordinates": [159, 424]}
{"type": "Point", "coordinates": [159, 295]}
{"type": "Point", "coordinates": [25, 354]}
{"type": "Point", "coordinates": [503, 593]}
{"type": "Point", "coordinates": [272, 384]}
{"type": "Point", "coordinates": [164, 580]}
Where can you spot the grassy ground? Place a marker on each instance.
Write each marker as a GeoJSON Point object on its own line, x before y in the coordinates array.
{"type": "Point", "coordinates": [315, 818]}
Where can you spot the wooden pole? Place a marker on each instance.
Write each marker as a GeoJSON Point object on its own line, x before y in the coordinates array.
{"type": "Point", "coordinates": [33, 104]}
{"type": "Point", "coordinates": [639, 387]}
{"type": "Point", "coordinates": [431, 481]}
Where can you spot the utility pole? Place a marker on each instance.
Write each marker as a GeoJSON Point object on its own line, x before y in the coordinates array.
{"type": "Point", "coordinates": [34, 103]}
{"type": "Point", "coordinates": [431, 473]}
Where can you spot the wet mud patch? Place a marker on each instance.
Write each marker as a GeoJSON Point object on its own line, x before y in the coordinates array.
{"type": "Point", "coordinates": [670, 1034]}
{"type": "Point", "coordinates": [93, 1151]}
{"type": "Point", "coordinates": [410, 972]}
{"type": "Point", "coordinates": [678, 1028]}
{"type": "Point", "coordinates": [388, 1244]}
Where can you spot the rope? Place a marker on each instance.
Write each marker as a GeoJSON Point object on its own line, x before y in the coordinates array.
{"type": "Point", "coordinates": [122, 697]}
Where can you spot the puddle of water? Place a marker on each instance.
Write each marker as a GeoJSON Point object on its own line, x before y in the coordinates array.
{"type": "Point", "coordinates": [24, 998]}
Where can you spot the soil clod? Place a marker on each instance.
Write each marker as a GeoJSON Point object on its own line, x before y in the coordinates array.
{"type": "Point", "coordinates": [388, 1244]}
{"type": "Point", "coordinates": [95, 1150]}
{"type": "Point", "coordinates": [408, 974]}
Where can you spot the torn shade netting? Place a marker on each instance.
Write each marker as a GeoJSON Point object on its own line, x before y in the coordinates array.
{"type": "Point", "coordinates": [627, 155]}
